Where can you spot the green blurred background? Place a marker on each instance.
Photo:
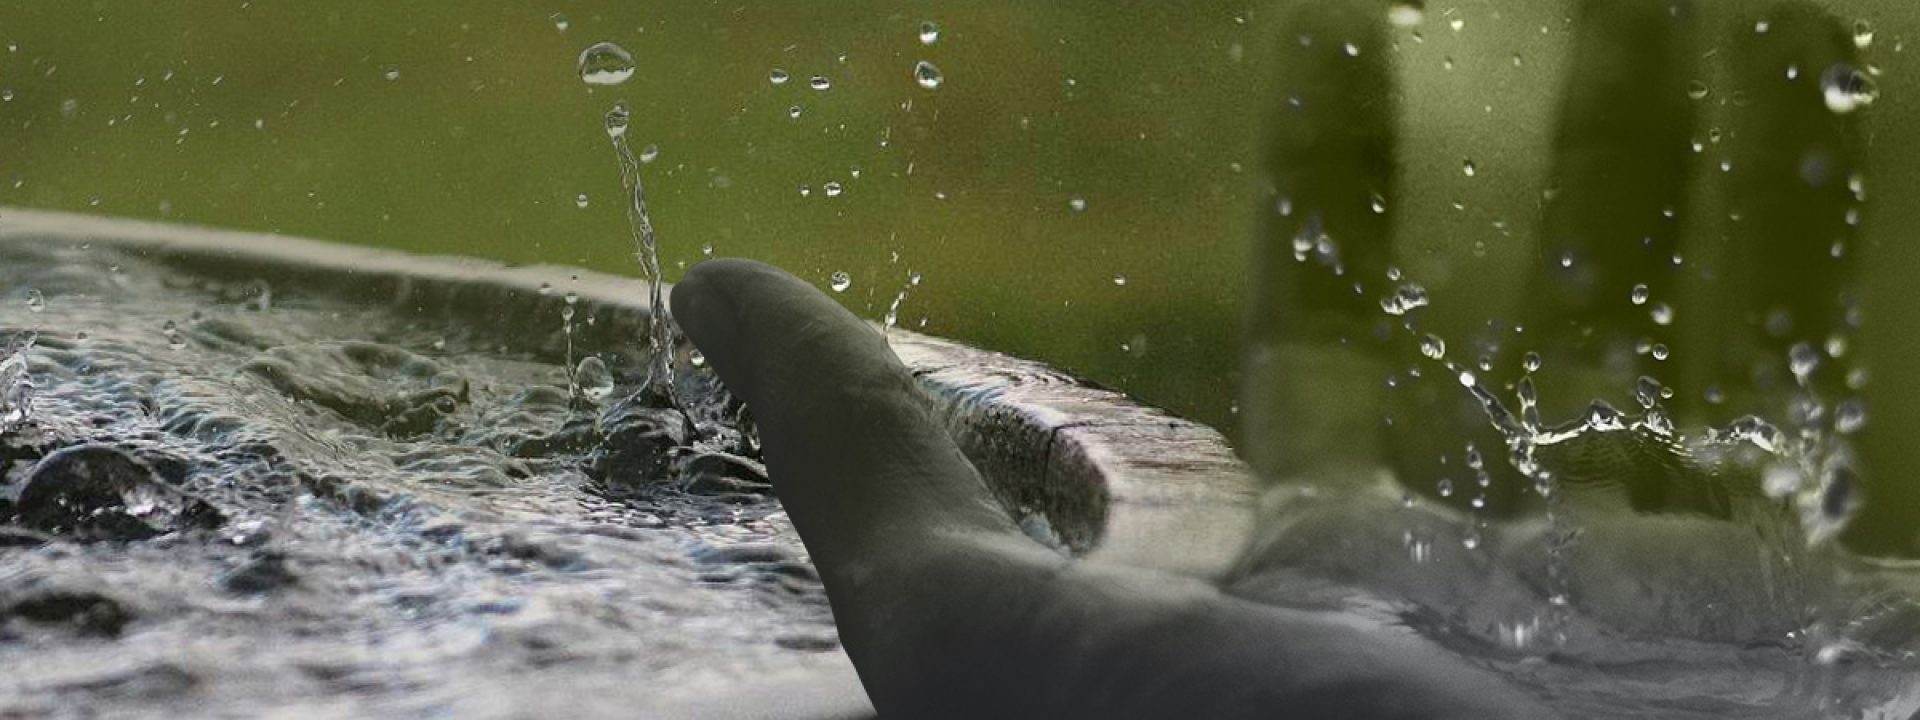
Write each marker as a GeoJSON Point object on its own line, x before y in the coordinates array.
{"type": "Point", "coordinates": [463, 128]}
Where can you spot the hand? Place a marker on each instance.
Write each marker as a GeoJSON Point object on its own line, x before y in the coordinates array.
{"type": "Point", "coordinates": [949, 610]}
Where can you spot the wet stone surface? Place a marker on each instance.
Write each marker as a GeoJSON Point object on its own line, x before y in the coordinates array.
{"type": "Point", "coordinates": [236, 495]}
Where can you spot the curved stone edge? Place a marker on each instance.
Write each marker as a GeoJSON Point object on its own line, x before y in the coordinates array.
{"type": "Point", "coordinates": [1118, 481]}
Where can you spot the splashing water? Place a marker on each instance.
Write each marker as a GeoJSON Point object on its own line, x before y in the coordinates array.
{"type": "Point", "coordinates": [893, 309]}
{"type": "Point", "coordinates": [16, 387]}
{"type": "Point", "coordinates": [659, 331]}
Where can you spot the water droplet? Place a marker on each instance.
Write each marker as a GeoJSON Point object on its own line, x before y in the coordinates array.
{"type": "Point", "coordinates": [604, 63]}
{"type": "Point", "coordinates": [1433, 347]}
{"type": "Point", "coordinates": [833, 189]}
{"type": "Point", "coordinates": [841, 281]}
{"type": "Point", "coordinates": [1850, 417]}
{"type": "Point", "coordinates": [1119, 278]}
{"type": "Point", "coordinates": [1639, 295]}
{"type": "Point", "coordinates": [1661, 313]}
{"type": "Point", "coordinates": [1077, 204]}
{"type": "Point", "coordinates": [619, 118]}
{"type": "Point", "coordinates": [778, 76]}
{"type": "Point", "coordinates": [649, 153]}
{"type": "Point", "coordinates": [1407, 13]}
{"type": "Point", "coordinates": [1862, 34]}
{"type": "Point", "coordinates": [1847, 89]}
{"type": "Point", "coordinates": [819, 82]}
{"type": "Point", "coordinates": [1802, 359]}
{"type": "Point", "coordinates": [580, 201]}
{"type": "Point", "coordinates": [593, 377]}
{"type": "Point", "coordinates": [929, 33]}
{"type": "Point", "coordinates": [1648, 391]}
{"type": "Point", "coordinates": [36, 302]}
{"type": "Point", "coordinates": [927, 75]}
{"type": "Point", "coordinates": [1419, 549]}
{"type": "Point", "coordinates": [1405, 299]}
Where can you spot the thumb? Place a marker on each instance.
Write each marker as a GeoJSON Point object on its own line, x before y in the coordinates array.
{"type": "Point", "coordinates": [868, 476]}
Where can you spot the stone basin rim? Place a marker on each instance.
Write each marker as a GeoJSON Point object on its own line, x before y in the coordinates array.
{"type": "Point", "coordinates": [1121, 482]}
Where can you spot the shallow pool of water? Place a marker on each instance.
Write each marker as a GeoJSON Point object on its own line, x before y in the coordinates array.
{"type": "Point", "coordinates": [265, 502]}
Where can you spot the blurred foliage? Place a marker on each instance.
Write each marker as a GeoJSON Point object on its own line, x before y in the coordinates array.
{"type": "Point", "coordinates": [460, 127]}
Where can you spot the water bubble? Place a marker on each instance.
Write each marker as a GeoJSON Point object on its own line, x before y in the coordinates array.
{"type": "Point", "coordinates": [593, 377]}
{"type": "Point", "coordinates": [833, 189]}
{"type": "Point", "coordinates": [172, 331]}
{"type": "Point", "coordinates": [1433, 346]}
{"type": "Point", "coordinates": [1457, 24]}
{"type": "Point", "coordinates": [604, 63]}
{"type": "Point", "coordinates": [1531, 362]}
{"type": "Point", "coordinates": [1352, 50]}
{"type": "Point", "coordinates": [1469, 168]}
{"type": "Point", "coordinates": [1077, 204]}
{"type": "Point", "coordinates": [1444, 487]}
{"type": "Point", "coordinates": [1660, 351]}
{"type": "Point", "coordinates": [580, 201]}
{"type": "Point", "coordinates": [1862, 34]}
{"type": "Point", "coordinates": [649, 153]}
{"type": "Point", "coordinates": [927, 75]}
{"type": "Point", "coordinates": [1697, 90]}
{"type": "Point", "coordinates": [391, 74]}
{"type": "Point", "coordinates": [697, 358]}
{"type": "Point", "coordinates": [794, 112]}
{"type": "Point", "coordinates": [36, 301]}
{"type": "Point", "coordinates": [841, 281]}
{"type": "Point", "coordinates": [778, 76]}
{"type": "Point", "coordinates": [929, 33]}
{"type": "Point", "coordinates": [1378, 203]}
{"type": "Point", "coordinates": [819, 82]}
{"type": "Point", "coordinates": [1119, 278]}
{"type": "Point", "coordinates": [1407, 13]}
{"type": "Point", "coordinates": [1639, 295]}
{"type": "Point", "coordinates": [560, 22]}
{"type": "Point", "coordinates": [1847, 89]}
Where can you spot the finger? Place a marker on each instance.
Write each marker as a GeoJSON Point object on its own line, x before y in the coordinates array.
{"type": "Point", "coordinates": [861, 466]}
{"type": "Point", "coordinates": [947, 611]}
{"type": "Point", "coordinates": [1322, 251]}
{"type": "Point", "coordinates": [1610, 229]}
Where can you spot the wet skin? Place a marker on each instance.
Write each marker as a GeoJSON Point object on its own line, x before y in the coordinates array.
{"type": "Point", "coordinates": [948, 610]}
